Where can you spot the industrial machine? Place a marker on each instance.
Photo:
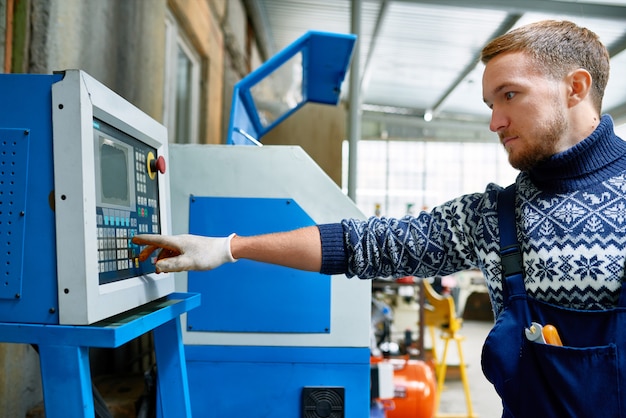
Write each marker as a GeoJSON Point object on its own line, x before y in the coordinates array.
{"type": "Point", "coordinates": [81, 172]}
{"type": "Point", "coordinates": [266, 335]}
{"type": "Point", "coordinates": [268, 340]}
{"type": "Point", "coordinates": [79, 179]}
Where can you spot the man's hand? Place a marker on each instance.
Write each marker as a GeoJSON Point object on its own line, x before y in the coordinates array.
{"type": "Point", "coordinates": [185, 252]}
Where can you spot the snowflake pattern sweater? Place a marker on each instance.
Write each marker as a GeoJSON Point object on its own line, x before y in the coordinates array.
{"type": "Point", "coordinates": [571, 224]}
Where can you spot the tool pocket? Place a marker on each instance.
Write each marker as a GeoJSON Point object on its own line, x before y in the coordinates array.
{"type": "Point", "coordinates": [542, 380]}
{"type": "Point", "coordinates": [555, 381]}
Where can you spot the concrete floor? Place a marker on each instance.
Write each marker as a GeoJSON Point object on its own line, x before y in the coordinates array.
{"type": "Point", "coordinates": [485, 401]}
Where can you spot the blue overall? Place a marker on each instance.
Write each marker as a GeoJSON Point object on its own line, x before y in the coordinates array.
{"type": "Point", "coordinates": [582, 378]}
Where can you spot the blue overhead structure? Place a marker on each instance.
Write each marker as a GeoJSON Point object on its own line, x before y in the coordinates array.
{"type": "Point", "coordinates": [311, 69]}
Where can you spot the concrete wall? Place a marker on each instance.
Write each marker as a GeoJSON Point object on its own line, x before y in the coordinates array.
{"type": "Point", "coordinates": [120, 43]}
{"type": "Point", "coordinates": [20, 382]}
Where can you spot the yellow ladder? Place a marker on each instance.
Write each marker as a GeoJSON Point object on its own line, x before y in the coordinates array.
{"type": "Point", "coordinates": [441, 314]}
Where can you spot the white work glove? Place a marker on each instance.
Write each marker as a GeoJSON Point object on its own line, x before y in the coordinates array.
{"type": "Point", "coordinates": [185, 252]}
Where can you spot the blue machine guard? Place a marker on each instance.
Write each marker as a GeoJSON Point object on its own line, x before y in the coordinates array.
{"type": "Point", "coordinates": [325, 58]}
{"type": "Point", "coordinates": [296, 302]}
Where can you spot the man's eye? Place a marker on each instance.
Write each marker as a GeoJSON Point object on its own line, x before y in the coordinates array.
{"type": "Point", "coordinates": [509, 95]}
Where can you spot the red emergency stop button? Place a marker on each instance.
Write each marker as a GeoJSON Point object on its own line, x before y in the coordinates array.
{"type": "Point", "coordinates": [155, 165]}
{"type": "Point", "coordinates": [158, 165]}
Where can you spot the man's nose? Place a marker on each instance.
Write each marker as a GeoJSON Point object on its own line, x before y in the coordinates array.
{"type": "Point", "coordinates": [498, 121]}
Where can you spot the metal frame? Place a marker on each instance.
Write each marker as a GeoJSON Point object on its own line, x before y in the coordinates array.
{"type": "Point", "coordinates": [64, 355]}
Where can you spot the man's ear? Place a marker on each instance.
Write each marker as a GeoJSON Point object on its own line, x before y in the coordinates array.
{"type": "Point", "coordinates": [579, 86]}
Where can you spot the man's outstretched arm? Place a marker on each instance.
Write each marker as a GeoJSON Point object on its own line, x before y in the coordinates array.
{"type": "Point", "coordinates": [300, 249]}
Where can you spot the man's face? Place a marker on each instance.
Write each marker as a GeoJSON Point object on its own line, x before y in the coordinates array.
{"type": "Point", "coordinates": [529, 111]}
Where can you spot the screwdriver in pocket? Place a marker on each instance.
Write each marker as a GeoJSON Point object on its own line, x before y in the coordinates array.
{"type": "Point", "coordinates": [551, 335]}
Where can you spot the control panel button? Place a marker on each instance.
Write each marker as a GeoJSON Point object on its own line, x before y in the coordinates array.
{"type": "Point", "coordinates": [159, 165]}
{"type": "Point", "coordinates": [154, 165]}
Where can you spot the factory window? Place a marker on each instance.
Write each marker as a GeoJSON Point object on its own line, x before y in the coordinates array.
{"type": "Point", "coordinates": [182, 86]}
{"type": "Point", "coordinates": [395, 178]}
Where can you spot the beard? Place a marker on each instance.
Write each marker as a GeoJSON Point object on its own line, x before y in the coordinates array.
{"type": "Point", "coordinates": [542, 144]}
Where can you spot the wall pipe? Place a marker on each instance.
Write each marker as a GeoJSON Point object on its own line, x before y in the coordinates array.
{"type": "Point", "coordinates": [8, 37]}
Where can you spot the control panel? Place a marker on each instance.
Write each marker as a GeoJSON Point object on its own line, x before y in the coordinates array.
{"type": "Point", "coordinates": [83, 171]}
{"type": "Point", "coordinates": [111, 183]}
{"type": "Point", "coordinates": [127, 201]}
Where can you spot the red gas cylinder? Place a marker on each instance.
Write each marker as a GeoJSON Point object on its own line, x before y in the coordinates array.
{"type": "Point", "coordinates": [414, 389]}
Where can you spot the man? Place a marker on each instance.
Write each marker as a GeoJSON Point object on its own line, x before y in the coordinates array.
{"type": "Point", "coordinates": [544, 83]}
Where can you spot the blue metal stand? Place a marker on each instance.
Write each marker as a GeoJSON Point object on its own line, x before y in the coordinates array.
{"type": "Point", "coordinates": [64, 355]}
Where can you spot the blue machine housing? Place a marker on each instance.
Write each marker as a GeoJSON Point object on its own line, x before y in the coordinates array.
{"type": "Point", "coordinates": [266, 381]}
{"type": "Point", "coordinates": [267, 337]}
{"type": "Point", "coordinates": [254, 298]}
{"type": "Point", "coordinates": [267, 291]}
{"type": "Point", "coordinates": [266, 333]}
{"type": "Point", "coordinates": [27, 225]}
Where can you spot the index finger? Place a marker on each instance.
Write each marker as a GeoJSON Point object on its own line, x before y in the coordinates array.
{"type": "Point", "coordinates": [156, 240]}
{"type": "Point", "coordinates": [147, 252]}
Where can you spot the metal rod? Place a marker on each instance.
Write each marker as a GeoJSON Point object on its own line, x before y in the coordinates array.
{"type": "Point", "coordinates": [354, 101]}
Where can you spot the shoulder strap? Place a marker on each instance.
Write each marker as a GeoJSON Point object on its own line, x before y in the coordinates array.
{"type": "Point", "coordinates": [510, 253]}
{"type": "Point", "coordinates": [509, 248]}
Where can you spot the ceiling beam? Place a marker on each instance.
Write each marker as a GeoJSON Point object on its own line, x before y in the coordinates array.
{"type": "Point", "coordinates": [504, 27]}
{"type": "Point", "coordinates": [617, 46]}
{"type": "Point", "coordinates": [576, 8]}
{"type": "Point", "coordinates": [415, 128]}
{"type": "Point", "coordinates": [382, 14]}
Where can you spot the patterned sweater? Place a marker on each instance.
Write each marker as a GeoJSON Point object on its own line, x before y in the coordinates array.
{"type": "Point", "coordinates": [571, 223]}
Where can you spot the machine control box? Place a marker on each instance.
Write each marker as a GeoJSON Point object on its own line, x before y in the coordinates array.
{"type": "Point", "coordinates": [88, 171]}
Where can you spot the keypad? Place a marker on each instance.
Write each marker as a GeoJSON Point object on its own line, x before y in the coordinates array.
{"type": "Point", "coordinates": [117, 255]}
{"type": "Point", "coordinates": [115, 249]}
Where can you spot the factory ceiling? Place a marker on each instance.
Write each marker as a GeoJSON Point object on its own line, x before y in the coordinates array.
{"type": "Point", "coordinates": [420, 57]}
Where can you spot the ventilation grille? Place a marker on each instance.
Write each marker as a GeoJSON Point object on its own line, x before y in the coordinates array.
{"type": "Point", "coordinates": [13, 180]}
{"type": "Point", "coordinates": [323, 402]}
